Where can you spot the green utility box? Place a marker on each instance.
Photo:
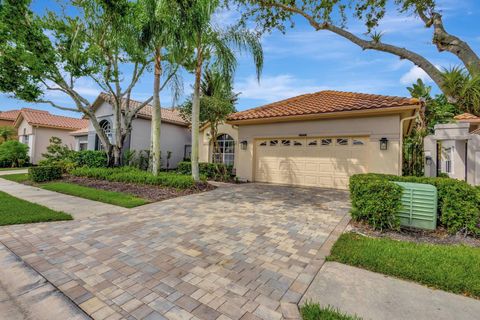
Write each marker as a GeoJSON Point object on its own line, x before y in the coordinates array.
{"type": "Point", "coordinates": [419, 205]}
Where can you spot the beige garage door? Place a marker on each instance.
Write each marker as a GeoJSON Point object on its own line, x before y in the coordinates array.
{"type": "Point", "coordinates": [320, 162]}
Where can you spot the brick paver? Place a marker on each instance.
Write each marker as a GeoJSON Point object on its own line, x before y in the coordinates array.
{"type": "Point", "coordinates": [243, 252]}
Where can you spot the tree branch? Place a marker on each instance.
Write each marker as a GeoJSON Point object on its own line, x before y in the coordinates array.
{"type": "Point", "coordinates": [445, 41]}
{"type": "Point", "coordinates": [53, 104]}
{"type": "Point", "coordinates": [402, 53]}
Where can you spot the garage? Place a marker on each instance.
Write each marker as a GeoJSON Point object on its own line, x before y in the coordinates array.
{"type": "Point", "coordinates": [314, 161]}
{"type": "Point", "coordinates": [322, 139]}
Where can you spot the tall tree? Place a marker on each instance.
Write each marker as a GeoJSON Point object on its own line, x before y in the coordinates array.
{"type": "Point", "coordinates": [331, 15]}
{"type": "Point", "coordinates": [7, 132]}
{"type": "Point", "coordinates": [217, 46]}
{"type": "Point", "coordinates": [162, 34]}
{"type": "Point", "coordinates": [41, 55]}
{"type": "Point", "coordinates": [217, 101]}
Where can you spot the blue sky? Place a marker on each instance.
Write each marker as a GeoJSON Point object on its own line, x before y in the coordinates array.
{"type": "Point", "coordinates": [303, 60]}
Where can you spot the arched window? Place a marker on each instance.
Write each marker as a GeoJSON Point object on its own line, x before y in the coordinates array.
{"type": "Point", "coordinates": [224, 152]}
{"type": "Point", "coordinates": [107, 128]}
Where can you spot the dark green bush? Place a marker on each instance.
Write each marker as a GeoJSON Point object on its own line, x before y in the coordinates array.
{"type": "Point", "coordinates": [13, 154]}
{"type": "Point", "coordinates": [215, 171]}
{"type": "Point", "coordinates": [375, 201]}
{"type": "Point", "coordinates": [458, 202]}
{"type": "Point", "coordinates": [90, 158]}
{"type": "Point", "coordinates": [45, 173]}
{"type": "Point", "coordinates": [134, 175]}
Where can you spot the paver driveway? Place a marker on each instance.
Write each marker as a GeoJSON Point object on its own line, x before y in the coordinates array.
{"type": "Point", "coordinates": [244, 251]}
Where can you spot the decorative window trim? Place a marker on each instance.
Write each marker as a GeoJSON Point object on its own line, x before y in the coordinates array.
{"type": "Point", "coordinates": [263, 144]}
{"type": "Point", "coordinates": [358, 142]}
{"type": "Point", "coordinates": [286, 142]}
{"type": "Point", "coordinates": [273, 143]}
{"type": "Point", "coordinates": [341, 141]}
{"type": "Point", "coordinates": [297, 143]}
{"type": "Point", "coordinates": [326, 142]}
{"type": "Point", "coordinates": [312, 143]}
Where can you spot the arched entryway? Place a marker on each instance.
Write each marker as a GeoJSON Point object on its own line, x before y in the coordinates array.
{"type": "Point", "coordinates": [224, 152]}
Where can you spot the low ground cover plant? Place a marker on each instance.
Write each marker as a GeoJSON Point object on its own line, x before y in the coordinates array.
{"type": "Point", "coordinates": [134, 175]}
{"type": "Point", "coordinates": [16, 211]}
{"type": "Point", "coordinates": [17, 177]}
{"type": "Point", "coordinates": [375, 199]}
{"type": "Point", "coordinates": [453, 268]}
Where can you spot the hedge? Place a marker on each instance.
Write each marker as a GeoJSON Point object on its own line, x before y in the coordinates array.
{"type": "Point", "coordinates": [209, 170]}
{"type": "Point", "coordinates": [134, 175]}
{"type": "Point", "coordinates": [90, 158]}
{"type": "Point", "coordinates": [45, 173]}
{"type": "Point", "coordinates": [458, 202]}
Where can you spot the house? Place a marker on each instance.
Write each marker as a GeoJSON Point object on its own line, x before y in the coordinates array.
{"type": "Point", "coordinates": [317, 139]}
{"type": "Point", "coordinates": [7, 118]}
{"type": "Point", "coordinates": [175, 136]}
{"type": "Point", "coordinates": [454, 149]}
{"type": "Point", "coordinates": [36, 127]}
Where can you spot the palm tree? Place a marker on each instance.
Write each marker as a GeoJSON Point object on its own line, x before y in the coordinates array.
{"type": "Point", "coordinates": [161, 30]}
{"type": "Point", "coordinates": [465, 87]}
{"type": "Point", "coordinates": [216, 46]}
{"type": "Point", "coordinates": [6, 133]}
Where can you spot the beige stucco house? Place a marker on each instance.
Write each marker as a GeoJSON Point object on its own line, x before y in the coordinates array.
{"type": "Point", "coordinates": [36, 127]}
{"type": "Point", "coordinates": [175, 136]}
{"type": "Point", "coordinates": [454, 149]}
{"type": "Point", "coordinates": [317, 139]}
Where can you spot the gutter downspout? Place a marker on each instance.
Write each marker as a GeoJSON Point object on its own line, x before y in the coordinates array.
{"type": "Point", "coordinates": [400, 167]}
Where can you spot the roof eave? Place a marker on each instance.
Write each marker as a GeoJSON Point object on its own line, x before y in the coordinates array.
{"type": "Point", "coordinates": [327, 115]}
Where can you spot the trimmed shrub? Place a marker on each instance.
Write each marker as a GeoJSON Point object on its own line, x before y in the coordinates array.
{"type": "Point", "coordinates": [375, 201]}
{"type": "Point", "coordinates": [215, 171]}
{"type": "Point", "coordinates": [134, 175]}
{"type": "Point", "coordinates": [13, 154]}
{"type": "Point", "coordinates": [458, 202]}
{"type": "Point", "coordinates": [45, 173]}
{"type": "Point", "coordinates": [90, 158]}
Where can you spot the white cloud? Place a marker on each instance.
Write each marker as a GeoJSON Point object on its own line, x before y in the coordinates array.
{"type": "Point", "coordinates": [274, 88]}
{"type": "Point", "coordinates": [413, 74]}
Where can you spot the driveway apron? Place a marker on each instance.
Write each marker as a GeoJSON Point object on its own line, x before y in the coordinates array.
{"type": "Point", "coordinates": [248, 251]}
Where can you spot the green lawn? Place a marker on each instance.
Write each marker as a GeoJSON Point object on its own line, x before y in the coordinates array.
{"type": "Point", "coordinates": [313, 311]}
{"type": "Point", "coordinates": [452, 268]}
{"type": "Point", "coordinates": [16, 177]}
{"type": "Point", "coordinates": [16, 211]}
{"type": "Point", "coordinates": [111, 197]}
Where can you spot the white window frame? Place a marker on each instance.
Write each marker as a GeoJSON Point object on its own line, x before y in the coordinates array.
{"type": "Point", "coordinates": [225, 143]}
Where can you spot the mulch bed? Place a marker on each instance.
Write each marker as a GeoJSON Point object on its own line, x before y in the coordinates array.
{"type": "Point", "coordinates": [149, 192]}
{"type": "Point", "coordinates": [439, 236]}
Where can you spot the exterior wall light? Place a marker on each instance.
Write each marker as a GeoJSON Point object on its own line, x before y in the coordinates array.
{"type": "Point", "coordinates": [383, 143]}
{"type": "Point", "coordinates": [243, 145]}
{"type": "Point", "coordinates": [428, 160]}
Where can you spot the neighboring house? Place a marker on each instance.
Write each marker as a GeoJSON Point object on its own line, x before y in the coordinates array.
{"type": "Point", "coordinates": [36, 127]}
{"type": "Point", "coordinates": [454, 149]}
{"type": "Point", "coordinates": [317, 139]}
{"type": "Point", "coordinates": [7, 118]}
{"type": "Point", "coordinates": [175, 135]}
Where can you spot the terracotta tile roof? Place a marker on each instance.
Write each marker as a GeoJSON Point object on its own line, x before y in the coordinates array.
{"type": "Point", "coordinates": [9, 115]}
{"type": "Point", "coordinates": [43, 118]}
{"type": "Point", "coordinates": [168, 115]}
{"type": "Point", "coordinates": [467, 117]}
{"type": "Point", "coordinates": [323, 102]}
{"type": "Point", "coordinates": [80, 132]}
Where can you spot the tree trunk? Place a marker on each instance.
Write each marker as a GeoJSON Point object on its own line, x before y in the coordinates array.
{"type": "Point", "coordinates": [196, 113]}
{"type": "Point", "coordinates": [155, 153]}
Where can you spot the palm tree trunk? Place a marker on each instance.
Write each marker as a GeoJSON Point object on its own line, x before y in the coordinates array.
{"type": "Point", "coordinates": [196, 113]}
{"type": "Point", "coordinates": [155, 153]}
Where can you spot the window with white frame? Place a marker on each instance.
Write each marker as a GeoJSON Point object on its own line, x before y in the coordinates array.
{"type": "Point", "coordinates": [224, 151]}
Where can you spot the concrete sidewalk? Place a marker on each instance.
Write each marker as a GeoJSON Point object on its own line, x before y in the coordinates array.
{"type": "Point", "coordinates": [24, 294]}
{"type": "Point", "coordinates": [7, 172]}
{"type": "Point", "coordinates": [375, 296]}
{"type": "Point", "coordinates": [79, 208]}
